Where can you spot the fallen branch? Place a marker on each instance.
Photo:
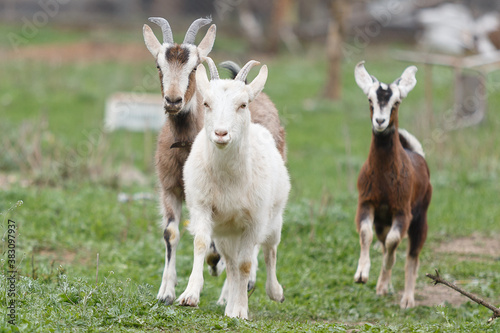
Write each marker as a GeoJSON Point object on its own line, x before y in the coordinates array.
{"type": "Point", "coordinates": [438, 279]}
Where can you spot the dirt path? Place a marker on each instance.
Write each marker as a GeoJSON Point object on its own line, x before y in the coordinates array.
{"type": "Point", "coordinates": [472, 248]}
{"type": "Point", "coordinates": [86, 51]}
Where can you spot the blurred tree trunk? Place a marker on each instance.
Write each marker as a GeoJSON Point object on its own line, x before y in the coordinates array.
{"type": "Point", "coordinates": [251, 26]}
{"type": "Point", "coordinates": [339, 12]}
{"type": "Point", "coordinates": [280, 10]}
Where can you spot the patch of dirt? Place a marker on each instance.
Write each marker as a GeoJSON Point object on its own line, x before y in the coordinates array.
{"type": "Point", "coordinates": [474, 247]}
{"type": "Point", "coordinates": [63, 258]}
{"type": "Point", "coordinates": [129, 175]}
{"type": "Point", "coordinates": [432, 295]}
{"type": "Point", "coordinates": [9, 179]}
{"type": "Point", "coordinates": [87, 51]}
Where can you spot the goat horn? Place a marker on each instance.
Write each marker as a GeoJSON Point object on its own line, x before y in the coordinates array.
{"type": "Point", "coordinates": [193, 29]}
{"type": "Point", "coordinates": [165, 29]}
{"type": "Point", "coordinates": [214, 74]}
{"type": "Point", "coordinates": [242, 75]}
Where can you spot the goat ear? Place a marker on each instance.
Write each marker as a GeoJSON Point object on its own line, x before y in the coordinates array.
{"type": "Point", "coordinates": [407, 81]}
{"type": "Point", "coordinates": [256, 86]}
{"type": "Point", "coordinates": [202, 82]}
{"type": "Point", "coordinates": [151, 41]}
{"type": "Point", "coordinates": [363, 78]}
{"type": "Point", "coordinates": [207, 42]}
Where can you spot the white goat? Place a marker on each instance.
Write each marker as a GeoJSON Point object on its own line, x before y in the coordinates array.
{"type": "Point", "coordinates": [236, 186]}
{"type": "Point", "coordinates": [177, 65]}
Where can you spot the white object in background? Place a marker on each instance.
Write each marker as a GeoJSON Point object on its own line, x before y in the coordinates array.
{"type": "Point", "coordinates": [124, 197]}
{"type": "Point", "coordinates": [484, 25]}
{"type": "Point", "coordinates": [447, 28]}
{"type": "Point", "coordinates": [134, 112]}
{"type": "Point", "coordinates": [451, 28]}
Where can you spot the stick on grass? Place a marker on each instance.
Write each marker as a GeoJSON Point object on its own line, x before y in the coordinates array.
{"type": "Point", "coordinates": [438, 279]}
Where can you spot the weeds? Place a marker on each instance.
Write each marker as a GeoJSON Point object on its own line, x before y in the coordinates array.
{"type": "Point", "coordinates": [32, 150]}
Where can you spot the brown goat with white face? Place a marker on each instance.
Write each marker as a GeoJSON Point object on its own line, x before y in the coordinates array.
{"type": "Point", "coordinates": [177, 65]}
{"type": "Point", "coordinates": [394, 185]}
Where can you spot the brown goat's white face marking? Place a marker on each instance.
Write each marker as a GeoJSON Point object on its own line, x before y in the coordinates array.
{"type": "Point", "coordinates": [177, 65]}
{"type": "Point", "coordinates": [384, 98]}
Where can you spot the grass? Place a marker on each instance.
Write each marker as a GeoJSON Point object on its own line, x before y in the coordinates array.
{"type": "Point", "coordinates": [67, 173]}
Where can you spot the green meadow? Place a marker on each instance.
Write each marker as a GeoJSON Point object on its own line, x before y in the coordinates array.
{"type": "Point", "coordinates": [89, 263]}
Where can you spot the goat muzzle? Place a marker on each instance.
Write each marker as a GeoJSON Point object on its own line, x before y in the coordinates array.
{"type": "Point", "coordinates": [172, 105]}
{"type": "Point", "coordinates": [171, 110]}
{"type": "Point", "coordinates": [221, 138]}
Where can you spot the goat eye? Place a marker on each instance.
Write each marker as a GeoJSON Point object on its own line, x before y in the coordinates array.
{"type": "Point", "coordinates": [242, 106]}
{"type": "Point", "coordinates": [206, 105]}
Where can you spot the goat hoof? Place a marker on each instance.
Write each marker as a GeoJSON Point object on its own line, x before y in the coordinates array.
{"type": "Point", "coordinates": [213, 260]}
{"type": "Point", "coordinates": [407, 303]}
{"type": "Point", "coordinates": [188, 299]}
{"type": "Point", "coordinates": [276, 294]}
{"type": "Point", "coordinates": [360, 278]}
{"type": "Point", "coordinates": [212, 271]}
{"type": "Point", "coordinates": [188, 302]}
{"type": "Point", "coordinates": [237, 312]}
{"type": "Point", "coordinates": [168, 300]}
{"type": "Point", "coordinates": [382, 291]}
{"type": "Point", "coordinates": [251, 286]}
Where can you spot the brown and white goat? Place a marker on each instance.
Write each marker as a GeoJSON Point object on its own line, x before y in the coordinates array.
{"type": "Point", "coordinates": [394, 185]}
{"type": "Point", "coordinates": [177, 64]}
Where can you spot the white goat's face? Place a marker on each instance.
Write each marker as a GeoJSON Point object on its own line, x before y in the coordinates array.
{"type": "Point", "coordinates": [384, 99]}
{"type": "Point", "coordinates": [226, 111]}
{"type": "Point", "coordinates": [177, 63]}
{"type": "Point", "coordinates": [226, 103]}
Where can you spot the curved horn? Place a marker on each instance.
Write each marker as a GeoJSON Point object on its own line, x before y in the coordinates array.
{"type": "Point", "coordinates": [193, 29]}
{"type": "Point", "coordinates": [214, 74]}
{"type": "Point", "coordinates": [165, 29]}
{"type": "Point", "coordinates": [242, 75]}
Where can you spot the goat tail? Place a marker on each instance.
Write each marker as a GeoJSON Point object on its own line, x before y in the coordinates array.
{"type": "Point", "coordinates": [410, 142]}
{"type": "Point", "coordinates": [232, 67]}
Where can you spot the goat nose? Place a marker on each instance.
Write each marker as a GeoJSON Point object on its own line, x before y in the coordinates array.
{"type": "Point", "coordinates": [174, 100]}
{"type": "Point", "coordinates": [221, 133]}
{"type": "Point", "coordinates": [380, 120]}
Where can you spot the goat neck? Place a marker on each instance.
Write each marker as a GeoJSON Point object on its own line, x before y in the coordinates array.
{"type": "Point", "coordinates": [186, 124]}
{"type": "Point", "coordinates": [385, 149]}
{"type": "Point", "coordinates": [235, 159]}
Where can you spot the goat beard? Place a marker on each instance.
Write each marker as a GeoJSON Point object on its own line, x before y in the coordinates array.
{"type": "Point", "coordinates": [388, 131]}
